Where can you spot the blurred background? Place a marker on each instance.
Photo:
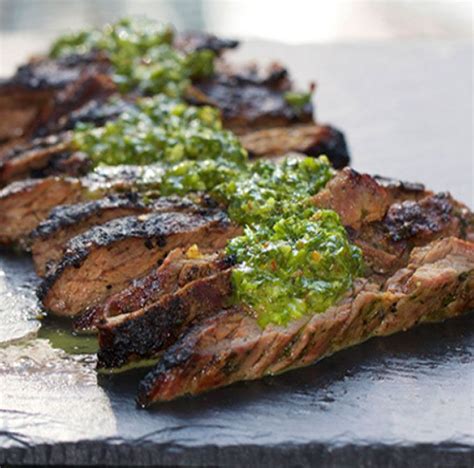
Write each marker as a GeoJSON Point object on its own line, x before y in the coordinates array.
{"type": "Point", "coordinates": [27, 25]}
{"type": "Point", "coordinates": [395, 76]}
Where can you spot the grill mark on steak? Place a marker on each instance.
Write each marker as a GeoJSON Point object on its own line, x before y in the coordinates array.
{"type": "Point", "coordinates": [106, 258]}
{"type": "Point", "coordinates": [95, 112]}
{"type": "Point", "coordinates": [143, 334]}
{"type": "Point", "coordinates": [68, 221]}
{"type": "Point", "coordinates": [204, 359]}
{"type": "Point", "coordinates": [310, 139]}
{"type": "Point", "coordinates": [387, 243]}
{"type": "Point", "coordinates": [53, 154]}
{"type": "Point", "coordinates": [419, 218]}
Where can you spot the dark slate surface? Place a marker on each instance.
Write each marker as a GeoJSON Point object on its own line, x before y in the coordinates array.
{"type": "Point", "coordinates": [405, 400]}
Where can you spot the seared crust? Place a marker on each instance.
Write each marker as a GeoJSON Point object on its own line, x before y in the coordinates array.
{"type": "Point", "coordinates": [68, 221]}
{"type": "Point", "coordinates": [22, 161]}
{"type": "Point", "coordinates": [387, 218]}
{"type": "Point", "coordinates": [251, 100]}
{"type": "Point", "coordinates": [387, 242]}
{"type": "Point", "coordinates": [44, 90]}
{"type": "Point", "coordinates": [230, 346]}
{"type": "Point", "coordinates": [24, 204]}
{"type": "Point", "coordinates": [104, 259]}
{"type": "Point", "coordinates": [145, 333]}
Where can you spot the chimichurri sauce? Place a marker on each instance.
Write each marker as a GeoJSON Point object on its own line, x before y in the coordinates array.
{"type": "Point", "coordinates": [293, 259]}
{"type": "Point", "coordinates": [142, 55]}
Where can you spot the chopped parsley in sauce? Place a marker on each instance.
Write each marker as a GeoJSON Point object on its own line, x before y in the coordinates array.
{"type": "Point", "coordinates": [142, 55]}
{"type": "Point", "coordinates": [159, 130]}
{"type": "Point", "coordinates": [300, 265]}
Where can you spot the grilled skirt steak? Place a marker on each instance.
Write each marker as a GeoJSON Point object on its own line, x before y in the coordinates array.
{"type": "Point", "coordinates": [26, 160]}
{"type": "Point", "coordinates": [371, 209]}
{"type": "Point", "coordinates": [143, 334]}
{"type": "Point", "coordinates": [179, 268]}
{"type": "Point", "coordinates": [106, 258]}
{"type": "Point", "coordinates": [437, 284]}
{"type": "Point", "coordinates": [250, 99]}
{"type": "Point", "coordinates": [68, 221]}
{"type": "Point", "coordinates": [25, 204]}
{"type": "Point", "coordinates": [310, 139]}
{"type": "Point", "coordinates": [387, 219]}
{"type": "Point", "coordinates": [44, 90]}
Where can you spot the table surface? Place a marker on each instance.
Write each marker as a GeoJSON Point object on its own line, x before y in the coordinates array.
{"type": "Point", "coordinates": [405, 400]}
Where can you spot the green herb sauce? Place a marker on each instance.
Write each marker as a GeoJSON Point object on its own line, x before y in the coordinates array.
{"type": "Point", "coordinates": [160, 130]}
{"type": "Point", "coordinates": [301, 265]}
{"type": "Point", "coordinates": [297, 99]}
{"type": "Point", "coordinates": [142, 55]}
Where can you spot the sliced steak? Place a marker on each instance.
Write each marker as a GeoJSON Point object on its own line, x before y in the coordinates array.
{"type": "Point", "coordinates": [179, 268]}
{"type": "Point", "coordinates": [25, 203]}
{"type": "Point", "coordinates": [388, 218]}
{"type": "Point", "coordinates": [106, 258]}
{"type": "Point", "coordinates": [44, 90]}
{"type": "Point", "coordinates": [361, 198]}
{"type": "Point", "coordinates": [95, 112]}
{"type": "Point", "coordinates": [143, 334]}
{"type": "Point", "coordinates": [68, 221]}
{"type": "Point", "coordinates": [230, 346]}
{"type": "Point", "coordinates": [250, 100]}
{"type": "Point", "coordinates": [357, 198]}
{"type": "Point", "coordinates": [310, 139]}
{"type": "Point", "coordinates": [387, 243]}
{"type": "Point", "coordinates": [22, 161]}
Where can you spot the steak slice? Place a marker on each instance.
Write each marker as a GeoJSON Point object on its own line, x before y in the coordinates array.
{"type": "Point", "coordinates": [44, 90]}
{"type": "Point", "coordinates": [23, 161]}
{"type": "Point", "coordinates": [311, 139]}
{"type": "Point", "coordinates": [179, 268]}
{"type": "Point", "coordinates": [388, 218]}
{"type": "Point", "coordinates": [143, 334]}
{"type": "Point", "coordinates": [54, 154]}
{"type": "Point", "coordinates": [106, 258]}
{"type": "Point", "coordinates": [25, 203]}
{"type": "Point", "coordinates": [230, 346]}
{"type": "Point", "coordinates": [387, 243]}
{"type": "Point", "coordinates": [250, 100]}
{"type": "Point", "coordinates": [68, 221]}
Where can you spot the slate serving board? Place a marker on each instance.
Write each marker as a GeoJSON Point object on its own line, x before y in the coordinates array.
{"type": "Point", "coordinates": [406, 400]}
